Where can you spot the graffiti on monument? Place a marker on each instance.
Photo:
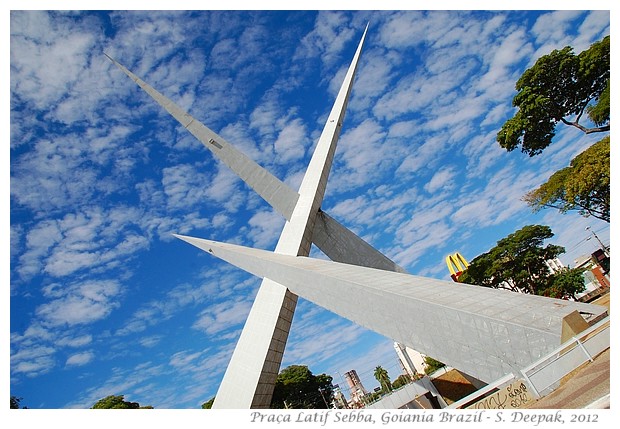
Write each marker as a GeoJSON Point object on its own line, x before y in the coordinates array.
{"type": "Point", "coordinates": [514, 395]}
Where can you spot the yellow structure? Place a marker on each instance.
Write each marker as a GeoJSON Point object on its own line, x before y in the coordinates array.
{"type": "Point", "coordinates": [456, 264]}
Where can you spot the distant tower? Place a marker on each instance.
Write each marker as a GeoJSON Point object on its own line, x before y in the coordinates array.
{"type": "Point", "coordinates": [356, 386]}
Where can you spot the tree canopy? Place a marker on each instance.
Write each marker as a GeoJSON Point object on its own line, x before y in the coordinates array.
{"type": "Point", "coordinates": [583, 186]}
{"type": "Point", "coordinates": [431, 365]}
{"type": "Point", "coordinates": [518, 263]}
{"type": "Point", "coordinates": [297, 387]}
{"type": "Point", "coordinates": [560, 87]}
{"type": "Point", "coordinates": [207, 405]}
{"type": "Point", "coordinates": [117, 402]}
{"type": "Point", "coordinates": [16, 402]}
{"type": "Point", "coordinates": [566, 283]}
{"type": "Point", "coordinates": [383, 378]}
{"type": "Point", "coordinates": [401, 380]}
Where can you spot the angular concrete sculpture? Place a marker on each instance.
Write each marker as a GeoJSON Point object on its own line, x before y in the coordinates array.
{"type": "Point", "coordinates": [485, 332]}
{"type": "Point", "coordinates": [481, 331]}
{"type": "Point", "coordinates": [250, 377]}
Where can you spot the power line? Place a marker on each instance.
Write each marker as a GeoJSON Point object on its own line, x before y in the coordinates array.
{"type": "Point", "coordinates": [581, 242]}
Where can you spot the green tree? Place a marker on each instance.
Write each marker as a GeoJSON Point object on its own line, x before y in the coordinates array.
{"type": "Point", "coordinates": [566, 283]}
{"type": "Point", "coordinates": [383, 378]}
{"type": "Point", "coordinates": [297, 387]}
{"type": "Point", "coordinates": [560, 87]}
{"type": "Point", "coordinates": [15, 402]}
{"type": "Point", "coordinates": [518, 263]}
{"type": "Point", "coordinates": [431, 365]}
{"type": "Point", "coordinates": [117, 402]}
{"type": "Point", "coordinates": [401, 380]}
{"type": "Point", "coordinates": [207, 405]}
{"type": "Point", "coordinates": [583, 186]}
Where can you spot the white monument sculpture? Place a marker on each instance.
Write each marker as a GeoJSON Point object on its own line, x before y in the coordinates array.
{"type": "Point", "coordinates": [484, 332]}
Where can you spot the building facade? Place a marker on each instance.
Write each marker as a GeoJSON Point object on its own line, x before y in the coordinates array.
{"type": "Point", "coordinates": [358, 392]}
{"type": "Point", "coordinates": [411, 361]}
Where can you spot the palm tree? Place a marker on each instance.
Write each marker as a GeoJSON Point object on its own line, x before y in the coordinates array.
{"type": "Point", "coordinates": [383, 378]}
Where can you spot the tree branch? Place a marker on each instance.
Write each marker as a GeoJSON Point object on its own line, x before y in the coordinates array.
{"type": "Point", "coordinates": [584, 104]}
{"type": "Point", "coordinates": [584, 129]}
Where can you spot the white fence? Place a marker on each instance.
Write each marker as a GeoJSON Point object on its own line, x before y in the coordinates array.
{"type": "Point", "coordinates": [408, 393]}
{"type": "Point", "coordinates": [544, 375]}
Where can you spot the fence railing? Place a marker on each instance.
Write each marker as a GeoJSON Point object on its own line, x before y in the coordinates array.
{"type": "Point", "coordinates": [544, 375]}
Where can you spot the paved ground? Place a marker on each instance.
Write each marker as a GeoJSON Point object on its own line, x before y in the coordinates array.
{"type": "Point", "coordinates": [586, 387]}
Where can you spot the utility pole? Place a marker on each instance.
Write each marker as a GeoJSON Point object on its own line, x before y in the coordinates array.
{"type": "Point", "coordinates": [323, 396]}
{"type": "Point", "coordinates": [598, 239]}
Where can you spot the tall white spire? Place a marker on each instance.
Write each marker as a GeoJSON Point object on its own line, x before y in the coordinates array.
{"type": "Point", "coordinates": [335, 240]}
{"type": "Point", "coordinates": [279, 195]}
{"type": "Point", "coordinates": [478, 330]}
{"type": "Point", "coordinates": [251, 374]}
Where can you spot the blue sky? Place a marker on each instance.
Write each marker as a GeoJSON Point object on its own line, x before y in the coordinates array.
{"type": "Point", "coordinates": [104, 300]}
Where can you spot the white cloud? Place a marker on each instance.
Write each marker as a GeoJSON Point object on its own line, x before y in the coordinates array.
{"type": "Point", "coordinates": [499, 200]}
{"type": "Point", "coordinates": [82, 303]}
{"type": "Point", "coordinates": [63, 262]}
{"type": "Point", "coordinates": [121, 381]}
{"type": "Point", "coordinates": [432, 237]}
{"type": "Point", "coordinates": [513, 48]}
{"type": "Point", "coordinates": [403, 30]}
{"type": "Point", "coordinates": [264, 117]}
{"type": "Point", "coordinates": [79, 241]}
{"type": "Point", "coordinates": [34, 334]}
{"type": "Point", "coordinates": [80, 359]}
{"type": "Point", "coordinates": [328, 38]}
{"type": "Point", "coordinates": [424, 222]}
{"type": "Point", "coordinates": [593, 28]}
{"type": "Point", "coordinates": [80, 341]}
{"type": "Point", "coordinates": [442, 179]}
{"type": "Point", "coordinates": [183, 359]}
{"type": "Point", "coordinates": [151, 341]}
{"type": "Point", "coordinates": [239, 136]}
{"type": "Point", "coordinates": [184, 186]}
{"type": "Point", "coordinates": [221, 317]}
{"type": "Point", "coordinates": [291, 142]}
{"type": "Point", "coordinates": [33, 361]}
{"type": "Point", "coordinates": [373, 77]}
{"type": "Point", "coordinates": [318, 343]}
{"type": "Point", "coordinates": [38, 241]}
{"type": "Point", "coordinates": [265, 228]}
{"type": "Point", "coordinates": [495, 115]}
{"type": "Point", "coordinates": [473, 213]}
{"type": "Point", "coordinates": [113, 175]}
{"type": "Point", "coordinates": [213, 287]}
{"type": "Point", "coordinates": [350, 209]}
{"type": "Point", "coordinates": [423, 155]}
{"type": "Point", "coordinates": [364, 155]}
{"type": "Point", "coordinates": [64, 52]}
{"type": "Point", "coordinates": [551, 28]}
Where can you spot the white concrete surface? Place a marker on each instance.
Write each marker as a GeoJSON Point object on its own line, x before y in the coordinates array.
{"type": "Point", "coordinates": [483, 332]}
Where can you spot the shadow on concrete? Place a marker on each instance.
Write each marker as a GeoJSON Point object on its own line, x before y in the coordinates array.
{"type": "Point", "coordinates": [453, 386]}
